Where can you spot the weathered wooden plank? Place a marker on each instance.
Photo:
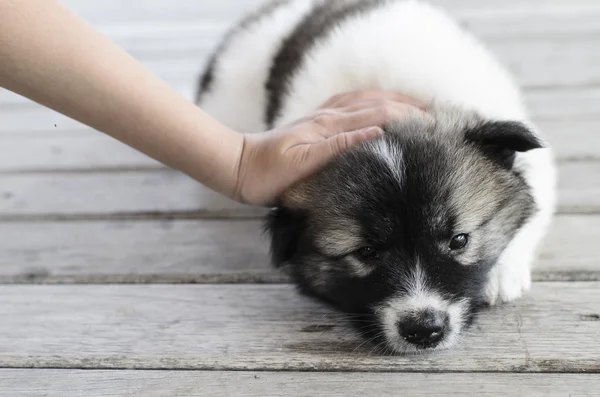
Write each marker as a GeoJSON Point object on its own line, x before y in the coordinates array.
{"type": "Point", "coordinates": [251, 327]}
{"type": "Point", "coordinates": [86, 149]}
{"type": "Point", "coordinates": [573, 139]}
{"type": "Point", "coordinates": [112, 193]}
{"type": "Point", "coordinates": [106, 383]}
{"type": "Point", "coordinates": [38, 139]}
{"type": "Point", "coordinates": [101, 194]}
{"type": "Point", "coordinates": [562, 104]}
{"type": "Point", "coordinates": [214, 251]}
{"type": "Point", "coordinates": [569, 249]}
{"type": "Point", "coordinates": [114, 11]}
{"type": "Point", "coordinates": [548, 105]}
{"type": "Point", "coordinates": [91, 150]}
{"type": "Point", "coordinates": [579, 187]}
{"type": "Point", "coordinates": [139, 251]}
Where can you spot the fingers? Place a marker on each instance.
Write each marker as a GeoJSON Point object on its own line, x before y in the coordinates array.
{"type": "Point", "coordinates": [327, 149]}
{"type": "Point", "coordinates": [360, 109]}
{"type": "Point", "coordinates": [341, 142]}
{"type": "Point", "coordinates": [362, 115]}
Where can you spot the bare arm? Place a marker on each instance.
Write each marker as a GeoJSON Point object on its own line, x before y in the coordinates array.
{"type": "Point", "coordinates": [53, 57]}
{"type": "Point", "coordinates": [56, 59]}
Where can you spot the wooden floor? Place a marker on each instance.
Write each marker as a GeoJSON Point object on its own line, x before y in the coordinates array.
{"type": "Point", "coordinates": [122, 278]}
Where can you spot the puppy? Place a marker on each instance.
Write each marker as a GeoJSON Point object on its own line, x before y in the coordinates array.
{"type": "Point", "coordinates": [411, 233]}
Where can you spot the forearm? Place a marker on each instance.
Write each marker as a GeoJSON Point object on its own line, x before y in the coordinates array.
{"type": "Point", "coordinates": [52, 57]}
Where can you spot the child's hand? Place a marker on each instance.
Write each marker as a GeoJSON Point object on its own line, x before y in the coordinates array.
{"type": "Point", "coordinates": [273, 161]}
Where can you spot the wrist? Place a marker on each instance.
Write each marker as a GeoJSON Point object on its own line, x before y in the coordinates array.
{"type": "Point", "coordinates": [216, 157]}
{"type": "Point", "coordinates": [240, 168]}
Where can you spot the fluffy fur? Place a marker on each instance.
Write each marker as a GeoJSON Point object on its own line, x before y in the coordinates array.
{"type": "Point", "coordinates": [374, 233]}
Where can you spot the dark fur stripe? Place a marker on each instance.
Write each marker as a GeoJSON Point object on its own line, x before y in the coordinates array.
{"type": "Point", "coordinates": [207, 78]}
{"type": "Point", "coordinates": [317, 24]}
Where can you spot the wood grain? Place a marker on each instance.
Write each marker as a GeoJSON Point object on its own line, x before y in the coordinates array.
{"type": "Point", "coordinates": [168, 193]}
{"type": "Point", "coordinates": [86, 149]}
{"type": "Point", "coordinates": [573, 140]}
{"type": "Point", "coordinates": [214, 251]}
{"type": "Point", "coordinates": [579, 187]}
{"type": "Point", "coordinates": [546, 105]}
{"type": "Point", "coordinates": [139, 251]}
{"type": "Point", "coordinates": [270, 327]}
{"type": "Point", "coordinates": [135, 12]}
{"type": "Point", "coordinates": [112, 193]}
{"type": "Point", "coordinates": [89, 151]}
{"type": "Point", "coordinates": [93, 383]}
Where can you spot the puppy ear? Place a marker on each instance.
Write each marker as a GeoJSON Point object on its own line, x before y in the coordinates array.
{"type": "Point", "coordinates": [500, 140]}
{"type": "Point", "coordinates": [284, 227]}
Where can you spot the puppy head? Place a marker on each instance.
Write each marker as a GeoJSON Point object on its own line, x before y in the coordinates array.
{"type": "Point", "coordinates": [401, 233]}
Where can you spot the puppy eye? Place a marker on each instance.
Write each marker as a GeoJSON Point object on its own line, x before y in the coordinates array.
{"type": "Point", "coordinates": [367, 253]}
{"type": "Point", "coordinates": [459, 241]}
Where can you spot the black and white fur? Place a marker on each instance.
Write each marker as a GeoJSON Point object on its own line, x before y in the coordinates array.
{"type": "Point", "coordinates": [374, 234]}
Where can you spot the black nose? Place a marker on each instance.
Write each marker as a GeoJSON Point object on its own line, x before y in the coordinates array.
{"type": "Point", "coordinates": [424, 331]}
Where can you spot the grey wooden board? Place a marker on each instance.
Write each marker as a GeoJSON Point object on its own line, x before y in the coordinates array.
{"type": "Point", "coordinates": [573, 139]}
{"type": "Point", "coordinates": [30, 141]}
{"type": "Point", "coordinates": [271, 327]}
{"type": "Point", "coordinates": [112, 193]}
{"type": "Point", "coordinates": [546, 105]}
{"type": "Point", "coordinates": [102, 194]}
{"type": "Point", "coordinates": [215, 251]}
{"type": "Point", "coordinates": [149, 11]}
{"type": "Point", "coordinates": [579, 187]}
{"type": "Point", "coordinates": [138, 251]}
{"type": "Point", "coordinates": [90, 150]}
{"type": "Point", "coordinates": [145, 13]}
{"type": "Point", "coordinates": [106, 383]}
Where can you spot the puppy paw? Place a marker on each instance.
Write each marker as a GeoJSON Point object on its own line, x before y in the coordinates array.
{"type": "Point", "coordinates": [507, 284]}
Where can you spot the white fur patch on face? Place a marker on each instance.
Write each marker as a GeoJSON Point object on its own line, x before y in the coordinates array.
{"type": "Point", "coordinates": [390, 155]}
{"type": "Point", "coordinates": [420, 298]}
{"type": "Point", "coordinates": [341, 240]}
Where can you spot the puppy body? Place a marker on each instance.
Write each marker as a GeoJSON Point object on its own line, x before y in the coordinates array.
{"type": "Point", "coordinates": [474, 163]}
